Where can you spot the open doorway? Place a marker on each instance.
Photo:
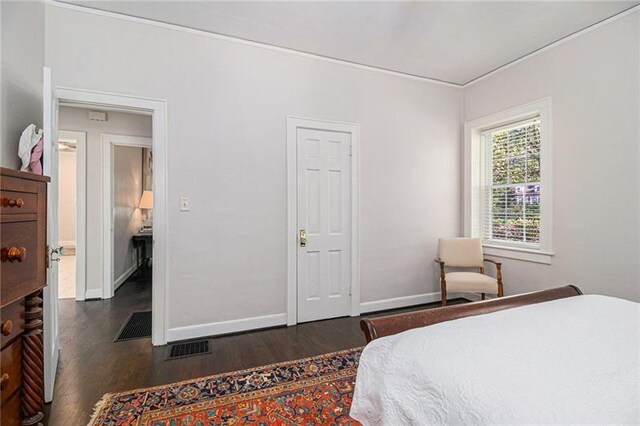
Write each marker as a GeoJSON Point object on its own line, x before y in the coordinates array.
{"type": "Point", "coordinates": [104, 206]}
{"type": "Point", "coordinates": [67, 160]}
{"type": "Point", "coordinates": [127, 215]}
{"type": "Point", "coordinates": [104, 169]}
{"type": "Point", "coordinates": [71, 213]}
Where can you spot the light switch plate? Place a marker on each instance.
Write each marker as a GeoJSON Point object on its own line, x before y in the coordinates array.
{"type": "Point", "coordinates": [185, 204]}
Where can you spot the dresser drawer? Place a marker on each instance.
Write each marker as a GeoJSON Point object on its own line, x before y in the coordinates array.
{"type": "Point", "coordinates": [12, 322]}
{"type": "Point", "coordinates": [17, 184]}
{"type": "Point", "coordinates": [10, 414]}
{"type": "Point", "coordinates": [10, 369]}
{"type": "Point", "coordinates": [19, 254]}
{"type": "Point", "coordinates": [12, 202]}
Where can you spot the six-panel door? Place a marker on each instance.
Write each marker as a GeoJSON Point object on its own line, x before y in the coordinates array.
{"type": "Point", "coordinates": [324, 213]}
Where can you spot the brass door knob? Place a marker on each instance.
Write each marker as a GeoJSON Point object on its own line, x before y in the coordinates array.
{"type": "Point", "coordinates": [6, 328]}
{"type": "Point", "coordinates": [13, 254]}
{"type": "Point", "coordinates": [303, 238]}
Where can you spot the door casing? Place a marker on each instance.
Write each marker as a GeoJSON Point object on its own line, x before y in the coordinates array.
{"type": "Point", "coordinates": [157, 108]}
{"type": "Point", "coordinates": [109, 142]}
{"type": "Point", "coordinates": [293, 124]}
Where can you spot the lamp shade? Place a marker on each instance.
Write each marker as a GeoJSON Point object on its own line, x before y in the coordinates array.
{"type": "Point", "coordinates": [146, 202]}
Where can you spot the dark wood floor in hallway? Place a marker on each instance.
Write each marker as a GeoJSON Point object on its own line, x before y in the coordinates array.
{"type": "Point", "coordinates": [91, 364]}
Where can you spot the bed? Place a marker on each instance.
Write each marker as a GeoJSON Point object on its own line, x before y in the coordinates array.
{"type": "Point", "coordinates": [552, 357]}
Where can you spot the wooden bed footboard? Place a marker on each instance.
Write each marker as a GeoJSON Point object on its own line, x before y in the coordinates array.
{"type": "Point", "coordinates": [393, 324]}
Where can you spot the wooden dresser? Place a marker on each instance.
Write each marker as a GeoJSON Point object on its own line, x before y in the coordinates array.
{"type": "Point", "coordinates": [23, 256]}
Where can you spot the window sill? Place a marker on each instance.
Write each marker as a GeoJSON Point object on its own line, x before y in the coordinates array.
{"type": "Point", "coordinates": [534, 256]}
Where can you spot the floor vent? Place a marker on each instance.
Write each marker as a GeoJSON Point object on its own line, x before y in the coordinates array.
{"type": "Point", "coordinates": [137, 326]}
{"type": "Point", "coordinates": [186, 349]}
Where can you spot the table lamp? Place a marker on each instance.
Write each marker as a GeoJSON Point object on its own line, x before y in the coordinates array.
{"type": "Point", "coordinates": [146, 203]}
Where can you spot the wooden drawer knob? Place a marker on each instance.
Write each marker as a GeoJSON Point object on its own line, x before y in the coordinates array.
{"type": "Point", "coordinates": [6, 327]}
{"type": "Point", "coordinates": [13, 254]}
{"type": "Point", "coordinates": [3, 380]}
{"type": "Point", "coordinates": [18, 202]}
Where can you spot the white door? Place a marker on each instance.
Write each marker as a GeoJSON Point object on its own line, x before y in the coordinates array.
{"type": "Point", "coordinates": [50, 163]}
{"type": "Point", "coordinates": [324, 224]}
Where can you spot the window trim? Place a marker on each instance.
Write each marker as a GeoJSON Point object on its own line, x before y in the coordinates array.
{"type": "Point", "coordinates": [473, 180]}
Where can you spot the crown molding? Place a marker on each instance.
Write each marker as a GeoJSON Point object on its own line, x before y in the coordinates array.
{"type": "Point", "coordinates": [554, 44]}
{"type": "Point", "coordinates": [202, 33]}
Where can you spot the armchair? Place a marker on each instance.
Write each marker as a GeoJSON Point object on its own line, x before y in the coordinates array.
{"type": "Point", "coordinates": [466, 253]}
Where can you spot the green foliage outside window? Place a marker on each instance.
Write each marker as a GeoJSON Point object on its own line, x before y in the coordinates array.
{"type": "Point", "coordinates": [515, 189]}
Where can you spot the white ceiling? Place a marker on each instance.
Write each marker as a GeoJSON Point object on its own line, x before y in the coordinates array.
{"type": "Point", "coordinates": [450, 41]}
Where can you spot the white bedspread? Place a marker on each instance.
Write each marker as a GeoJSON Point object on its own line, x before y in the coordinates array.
{"type": "Point", "coordinates": [574, 360]}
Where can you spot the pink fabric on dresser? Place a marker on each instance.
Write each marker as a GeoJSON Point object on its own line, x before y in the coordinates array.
{"type": "Point", "coordinates": [35, 165]}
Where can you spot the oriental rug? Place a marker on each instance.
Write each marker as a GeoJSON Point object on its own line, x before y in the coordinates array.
{"type": "Point", "coordinates": [310, 391]}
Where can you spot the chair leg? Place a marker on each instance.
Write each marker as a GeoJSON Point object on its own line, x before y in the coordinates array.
{"type": "Point", "coordinates": [482, 296]}
{"type": "Point", "coordinates": [443, 292]}
{"type": "Point", "coordinates": [499, 278]}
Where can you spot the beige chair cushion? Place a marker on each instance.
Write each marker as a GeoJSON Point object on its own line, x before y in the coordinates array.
{"type": "Point", "coordinates": [470, 282]}
{"type": "Point", "coordinates": [461, 252]}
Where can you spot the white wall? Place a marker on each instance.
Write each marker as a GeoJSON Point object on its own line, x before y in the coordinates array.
{"type": "Point", "coordinates": [593, 81]}
{"type": "Point", "coordinates": [127, 217]}
{"type": "Point", "coordinates": [72, 118]}
{"type": "Point", "coordinates": [227, 107]}
{"type": "Point", "coordinates": [22, 58]}
{"type": "Point", "coordinates": [67, 198]}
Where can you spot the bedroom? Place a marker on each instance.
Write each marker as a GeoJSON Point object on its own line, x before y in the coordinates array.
{"type": "Point", "coordinates": [221, 80]}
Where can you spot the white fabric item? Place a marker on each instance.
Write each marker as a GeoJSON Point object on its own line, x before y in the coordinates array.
{"type": "Point", "coordinates": [471, 282]}
{"type": "Point", "coordinates": [573, 360]}
{"type": "Point", "coordinates": [29, 138]}
{"type": "Point", "coordinates": [461, 252]}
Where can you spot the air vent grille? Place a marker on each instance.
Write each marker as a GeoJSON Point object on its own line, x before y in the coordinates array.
{"type": "Point", "coordinates": [137, 326]}
{"type": "Point", "coordinates": [186, 349]}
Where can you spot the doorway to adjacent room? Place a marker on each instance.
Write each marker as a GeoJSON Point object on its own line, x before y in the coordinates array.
{"type": "Point", "coordinates": [72, 149]}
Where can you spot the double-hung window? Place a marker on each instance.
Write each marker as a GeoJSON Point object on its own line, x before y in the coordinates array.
{"type": "Point", "coordinates": [511, 185]}
{"type": "Point", "coordinates": [508, 182]}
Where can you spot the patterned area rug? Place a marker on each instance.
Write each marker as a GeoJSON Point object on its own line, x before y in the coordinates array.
{"type": "Point", "coordinates": [307, 391]}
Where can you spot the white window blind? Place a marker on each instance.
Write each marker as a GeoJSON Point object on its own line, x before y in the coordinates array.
{"type": "Point", "coordinates": [511, 185]}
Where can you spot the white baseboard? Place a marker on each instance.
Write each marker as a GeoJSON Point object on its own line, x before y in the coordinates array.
{"type": "Point", "coordinates": [94, 293]}
{"type": "Point", "coordinates": [122, 278]}
{"type": "Point", "coordinates": [224, 327]}
{"type": "Point", "coordinates": [418, 299]}
{"type": "Point", "coordinates": [399, 302]}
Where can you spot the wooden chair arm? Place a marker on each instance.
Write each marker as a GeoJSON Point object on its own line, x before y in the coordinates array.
{"type": "Point", "coordinates": [498, 274]}
{"type": "Point", "coordinates": [498, 264]}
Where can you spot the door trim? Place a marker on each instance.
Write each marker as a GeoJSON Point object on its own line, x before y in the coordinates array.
{"type": "Point", "coordinates": [109, 142]}
{"type": "Point", "coordinates": [293, 124]}
{"type": "Point", "coordinates": [157, 108]}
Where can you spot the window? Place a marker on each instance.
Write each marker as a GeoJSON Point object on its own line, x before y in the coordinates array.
{"type": "Point", "coordinates": [511, 184]}
{"type": "Point", "coordinates": [508, 182]}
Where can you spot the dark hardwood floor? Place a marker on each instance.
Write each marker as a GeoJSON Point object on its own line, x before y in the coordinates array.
{"type": "Point", "coordinates": [91, 364]}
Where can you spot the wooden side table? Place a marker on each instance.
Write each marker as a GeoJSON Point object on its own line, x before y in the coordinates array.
{"type": "Point", "coordinates": [140, 241]}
